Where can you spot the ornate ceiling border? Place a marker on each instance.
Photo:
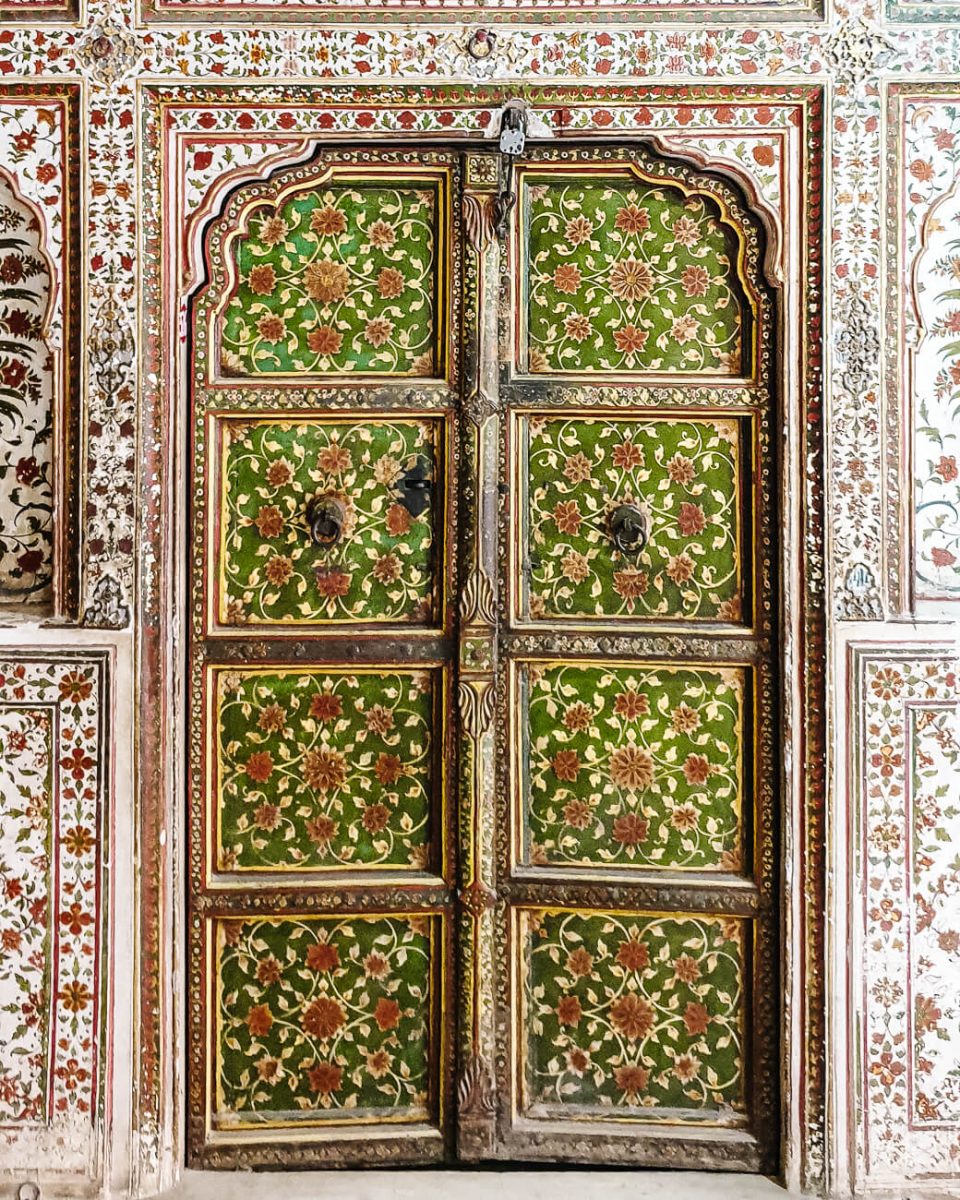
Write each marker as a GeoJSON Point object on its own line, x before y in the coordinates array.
{"type": "Point", "coordinates": [503, 12]}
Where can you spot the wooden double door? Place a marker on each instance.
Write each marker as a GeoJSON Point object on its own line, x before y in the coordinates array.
{"type": "Point", "coordinates": [483, 666]}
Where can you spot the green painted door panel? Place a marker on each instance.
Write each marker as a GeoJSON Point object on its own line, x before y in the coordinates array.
{"type": "Point", "coordinates": [629, 278]}
{"type": "Point", "coordinates": [327, 768]}
{"type": "Point", "coordinates": [325, 1019]}
{"type": "Point", "coordinates": [684, 475]}
{"type": "Point", "coordinates": [384, 566]}
{"type": "Point", "coordinates": [633, 1014]}
{"type": "Point", "coordinates": [341, 280]}
{"type": "Point", "coordinates": [632, 765]}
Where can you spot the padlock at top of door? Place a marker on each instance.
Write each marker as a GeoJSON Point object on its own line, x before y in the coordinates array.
{"type": "Point", "coordinates": [513, 128]}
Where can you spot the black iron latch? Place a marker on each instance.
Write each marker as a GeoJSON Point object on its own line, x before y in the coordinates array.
{"type": "Point", "coordinates": [413, 488]}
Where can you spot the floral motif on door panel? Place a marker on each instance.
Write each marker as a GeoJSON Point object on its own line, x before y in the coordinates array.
{"type": "Point", "coordinates": [632, 1012]}
{"type": "Point", "coordinates": [632, 765]}
{"type": "Point", "coordinates": [683, 474]}
{"type": "Point", "coordinates": [326, 767]}
{"type": "Point", "coordinates": [339, 280]}
{"type": "Point", "coordinates": [324, 1019]}
{"type": "Point", "coordinates": [628, 277]}
{"type": "Point", "coordinates": [381, 565]}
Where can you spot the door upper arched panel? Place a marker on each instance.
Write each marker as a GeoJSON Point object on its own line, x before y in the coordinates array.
{"type": "Point", "coordinates": [339, 271]}
{"type": "Point", "coordinates": [629, 268]}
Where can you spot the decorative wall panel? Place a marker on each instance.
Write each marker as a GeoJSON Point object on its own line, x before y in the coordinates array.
{"type": "Point", "coordinates": [924, 317]}
{"type": "Point", "coordinates": [540, 11]}
{"type": "Point", "coordinates": [27, 384]}
{"type": "Point", "coordinates": [54, 847]}
{"type": "Point", "coordinates": [150, 115]}
{"type": "Point", "coordinates": [39, 329]}
{"type": "Point", "coordinates": [907, 766]}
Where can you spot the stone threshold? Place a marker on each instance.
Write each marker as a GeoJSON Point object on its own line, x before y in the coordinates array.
{"type": "Point", "coordinates": [457, 1184]}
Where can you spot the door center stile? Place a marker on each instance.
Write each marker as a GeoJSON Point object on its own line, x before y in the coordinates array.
{"type": "Point", "coordinates": [477, 683]}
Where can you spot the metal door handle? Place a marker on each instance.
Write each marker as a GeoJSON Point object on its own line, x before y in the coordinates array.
{"type": "Point", "coordinates": [325, 517]}
{"type": "Point", "coordinates": [629, 529]}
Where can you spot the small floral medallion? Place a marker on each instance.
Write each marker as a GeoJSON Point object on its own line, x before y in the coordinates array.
{"type": "Point", "coordinates": [683, 479]}
{"type": "Point", "coordinates": [320, 769]}
{"type": "Point", "coordinates": [337, 281]}
{"type": "Point", "coordinates": [324, 1019]}
{"type": "Point", "coordinates": [631, 278]}
{"type": "Point", "coordinates": [634, 766]}
{"type": "Point", "coordinates": [633, 1014]}
{"type": "Point", "coordinates": [377, 557]}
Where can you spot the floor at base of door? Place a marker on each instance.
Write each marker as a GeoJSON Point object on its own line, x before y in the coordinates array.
{"type": "Point", "coordinates": [475, 1185]}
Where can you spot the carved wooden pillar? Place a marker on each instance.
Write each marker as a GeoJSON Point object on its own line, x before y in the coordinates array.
{"type": "Point", "coordinates": [477, 659]}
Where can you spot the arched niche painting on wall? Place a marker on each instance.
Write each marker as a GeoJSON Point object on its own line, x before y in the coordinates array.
{"type": "Point", "coordinates": [27, 393]}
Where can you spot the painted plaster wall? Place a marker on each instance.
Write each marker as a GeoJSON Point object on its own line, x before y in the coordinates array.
{"type": "Point", "coordinates": [100, 1105]}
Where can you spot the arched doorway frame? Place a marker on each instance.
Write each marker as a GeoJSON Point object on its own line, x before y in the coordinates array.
{"type": "Point", "coordinates": [803, 1041]}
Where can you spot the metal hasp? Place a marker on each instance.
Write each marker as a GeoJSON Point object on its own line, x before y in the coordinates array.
{"type": "Point", "coordinates": [513, 139]}
{"type": "Point", "coordinates": [413, 488]}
